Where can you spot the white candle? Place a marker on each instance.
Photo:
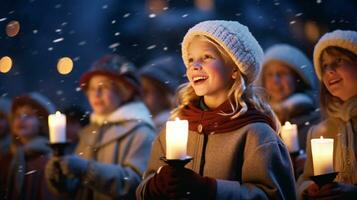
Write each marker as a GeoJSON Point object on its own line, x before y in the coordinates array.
{"type": "Point", "coordinates": [322, 155]}
{"type": "Point", "coordinates": [57, 126]}
{"type": "Point", "coordinates": [289, 134]}
{"type": "Point", "coordinates": [176, 139]}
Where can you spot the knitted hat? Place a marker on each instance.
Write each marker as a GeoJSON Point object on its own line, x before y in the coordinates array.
{"type": "Point", "coordinates": [235, 39]}
{"type": "Point", "coordinates": [295, 59]}
{"type": "Point", "coordinates": [115, 67]}
{"type": "Point", "coordinates": [41, 104]}
{"type": "Point", "coordinates": [338, 38]}
{"type": "Point", "coordinates": [168, 70]}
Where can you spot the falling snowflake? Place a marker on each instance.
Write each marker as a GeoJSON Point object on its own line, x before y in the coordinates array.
{"type": "Point", "coordinates": [299, 14]}
{"type": "Point", "coordinates": [58, 40]}
{"type": "Point", "coordinates": [292, 22]}
{"type": "Point", "coordinates": [114, 21]}
{"type": "Point", "coordinates": [105, 6]}
{"type": "Point", "coordinates": [114, 45]}
{"type": "Point", "coordinates": [318, 1]}
{"type": "Point", "coordinates": [126, 15]}
{"type": "Point", "coordinates": [184, 16]}
{"type": "Point", "coordinates": [64, 24]}
{"type": "Point", "coordinates": [58, 6]}
{"type": "Point", "coordinates": [78, 89]}
{"type": "Point", "coordinates": [165, 8]}
{"type": "Point", "coordinates": [165, 48]}
{"type": "Point", "coordinates": [50, 48]}
{"type": "Point", "coordinates": [81, 43]}
{"type": "Point", "coordinates": [3, 19]}
{"type": "Point", "coordinates": [35, 31]}
{"type": "Point", "coordinates": [58, 30]}
{"type": "Point", "coordinates": [151, 47]}
{"type": "Point", "coordinates": [152, 15]}
{"type": "Point", "coordinates": [117, 33]}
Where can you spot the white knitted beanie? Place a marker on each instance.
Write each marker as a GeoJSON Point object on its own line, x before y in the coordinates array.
{"type": "Point", "coordinates": [235, 39]}
{"type": "Point", "coordinates": [338, 38]}
{"type": "Point", "coordinates": [295, 59]}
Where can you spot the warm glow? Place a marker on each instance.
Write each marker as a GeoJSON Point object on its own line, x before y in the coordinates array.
{"type": "Point", "coordinates": [5, 64]}
{"type": "Point", "coordinates": [57, 126]}
{"type": "Point", "coordinates": [289, 134]}
{"type": "Point", "coordinates": [205, 5]}
{"type": "Point", "coordinates": [12, 28]}
{"type": "Point", "coordinates": [65, 65]}
{"type": "Point", "coordinates": [176, 139]}
{"type": "Point", "coordinates": [322, 155]}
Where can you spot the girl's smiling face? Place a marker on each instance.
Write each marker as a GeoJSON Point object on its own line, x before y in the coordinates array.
{"type": "Point", "coordinates": [208, 73]}
{"type": "Point", "coordinates": [339, 75]}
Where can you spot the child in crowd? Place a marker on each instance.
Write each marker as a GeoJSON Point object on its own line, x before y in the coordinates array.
{"type": "Point", "coordinates": [160, 78]}
{"type": "Point", "coordinates": [335, 61]}
{"type": "Point", "coordinates": [29, 151]}
{"type": "Point", "coordinates": [233, 138]}
{"type": "Point", "coordinates": [113, 149]}
{"type": "Point", "coordinates": [289, 79]}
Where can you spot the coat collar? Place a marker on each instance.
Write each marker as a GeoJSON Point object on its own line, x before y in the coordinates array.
{"type": "Point", "coordinates": [128, 112]}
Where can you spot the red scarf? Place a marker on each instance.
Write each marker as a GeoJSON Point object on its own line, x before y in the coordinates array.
{"type": "Point", "coordinates": [213, 122]}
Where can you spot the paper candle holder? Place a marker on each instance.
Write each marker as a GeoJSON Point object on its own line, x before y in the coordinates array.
{"type": "Point", "coordinates": [178, 163]}
{"type": "Point", "coordinates": [323, 179]}
{"type": "Point", "coordinates": [59, 148]}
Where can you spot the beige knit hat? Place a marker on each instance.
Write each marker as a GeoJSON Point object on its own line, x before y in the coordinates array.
{"type": "Point", "coordinates": [338, 38]}
{"type": "Point", "coordinates": [235, 39]}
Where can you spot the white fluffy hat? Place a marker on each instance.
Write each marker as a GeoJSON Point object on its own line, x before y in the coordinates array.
{"type": "Point", "coordinates": [295, 59]}
{"type": "Point", "coordinates": [235, 39]}
{"type": "Point", "coordinates": [339, 38]}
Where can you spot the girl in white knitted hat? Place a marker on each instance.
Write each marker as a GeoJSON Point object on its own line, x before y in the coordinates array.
{"type": "Point", "coordinates": [232, 131]}
{"type": "Point", "coordinates": [335, 61]}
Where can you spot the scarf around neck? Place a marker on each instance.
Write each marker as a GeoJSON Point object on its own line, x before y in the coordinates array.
{"type": "Point", "coordinates": [213, 121]}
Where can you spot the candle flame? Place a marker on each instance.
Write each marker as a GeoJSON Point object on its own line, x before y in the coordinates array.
{"type": "Point", "coordinates": [58, 112]}
{"type": "Point", "coordinates": [287, 123]}
{"type": "Point", "coordinates": [321, 137]}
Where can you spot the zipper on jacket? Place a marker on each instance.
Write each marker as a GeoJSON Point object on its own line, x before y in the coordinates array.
{"type": "Point", "coordinates": [203, 154]}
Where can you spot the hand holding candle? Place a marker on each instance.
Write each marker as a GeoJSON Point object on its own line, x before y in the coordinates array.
{"type": "Point", "coordinates": [176, 139]}
{"type": "Point", "coordinates": [322, 155]}
{"type": "Point", "coordinates": [57, 126]}
{"type": "Point", "coordinates": [290, 137]}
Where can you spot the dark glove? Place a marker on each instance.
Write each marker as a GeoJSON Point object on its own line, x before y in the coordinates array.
{"type": "Point", "coordinates": [164, 184]}
{"type": "Point", "coordinates": [73, 166]}
{"type": "Point", "coordinates": [195, 186]}
{"type": "Point", "coordinates": [56, 181]}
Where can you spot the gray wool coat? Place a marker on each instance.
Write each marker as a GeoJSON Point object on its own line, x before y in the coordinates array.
{"type": "Point", "coordinates": [248, 163]}
{"type": "Point", "coordinates": [118, 149]}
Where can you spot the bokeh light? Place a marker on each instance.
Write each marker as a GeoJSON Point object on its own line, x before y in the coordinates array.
{"type": "Point", "coordinates": [65, 65]}
{"type": "Point", "coordinates": [12, 28]}
{"type": "Point", "coordinates": [5, 64]}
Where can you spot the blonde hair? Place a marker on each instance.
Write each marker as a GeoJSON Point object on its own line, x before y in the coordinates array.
{"type": "Point", "coordinates": [242, 94]}
{"type": "Point", "coordinates": [329, 103]}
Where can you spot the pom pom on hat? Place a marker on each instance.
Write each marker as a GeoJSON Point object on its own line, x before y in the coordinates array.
{"type": "Point", "coordinates": [339, 38]}
{"type": "Point", "coordinates": [295, 59]}
{"type": "Point", "coordinates": [235, 39]}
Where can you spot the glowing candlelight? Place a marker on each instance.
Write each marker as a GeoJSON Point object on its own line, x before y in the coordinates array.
{"type": "Point", "coordinates": [57, 126]}
{"type": "Point", "coordinates": [322, 155]}
{"type": "Point", "coordinates": [289, 135]}
{"type": "Point", "coordinates": [176, 139]}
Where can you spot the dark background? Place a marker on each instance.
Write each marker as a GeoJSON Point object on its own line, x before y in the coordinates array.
{"type": "Point", "coordinates": [140, 30]}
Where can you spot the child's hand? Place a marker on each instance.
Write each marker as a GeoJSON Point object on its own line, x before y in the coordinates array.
{"type": "Point", "coordinates": [332, 191]}
{"type": "Point", "coordinates": [164, 184]}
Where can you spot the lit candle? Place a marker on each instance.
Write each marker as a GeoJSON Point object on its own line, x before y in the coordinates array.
{"type": "Point", "coordinates": [322, 155]}
{"type": "Point", "coordinates": [57, 126]}
{"type": "Point", "coordinates": [290, 137]}
{"type": "Point", "coordinates": [176, 139]}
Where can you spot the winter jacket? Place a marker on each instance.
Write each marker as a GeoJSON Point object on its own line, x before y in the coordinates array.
{"type": "Point", "coordinates": [118, 147]}
{"type": "Point", "coordinates": [248, 163]}
{"type": "Point", "coordinates": [342, 127]}
{"type": "Point", "coordinates": [25, 175]}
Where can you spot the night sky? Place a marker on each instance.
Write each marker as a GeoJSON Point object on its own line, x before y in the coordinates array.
{"type": "Point", "coordinates": [84, 30]}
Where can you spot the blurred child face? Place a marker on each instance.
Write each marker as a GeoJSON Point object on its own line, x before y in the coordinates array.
{"type": "Point", "coordinates": [339, 75]}
{"type": "Point", "coordinates": [102, 95]}
{"type": "Point", "coordinates": [279, 81]}
{"type": "Point", "coordinates": [208, 73]}
{"type": "Point", "coordinates": [156, 98]}
{"type": "Point", "coordinates": [25, 123]}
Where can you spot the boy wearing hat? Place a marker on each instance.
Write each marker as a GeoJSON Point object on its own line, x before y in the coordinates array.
{"type": "Point", "coordinates": [112, 152]}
